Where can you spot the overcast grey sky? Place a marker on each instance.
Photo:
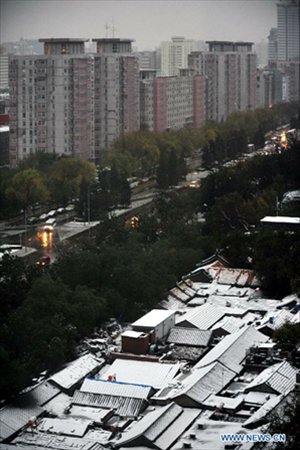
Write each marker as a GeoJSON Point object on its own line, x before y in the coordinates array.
{"type": "Point", "coordinates": [148, 22]}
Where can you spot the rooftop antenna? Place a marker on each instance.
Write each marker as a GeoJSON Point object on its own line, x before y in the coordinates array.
{"type": "Point", "coordinates": [113, 28]}
{"type": "Point", "coordinates": [106, 29]}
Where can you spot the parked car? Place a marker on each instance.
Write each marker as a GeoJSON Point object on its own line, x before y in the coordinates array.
{"type": "Point", "coordinates": [51, 213]}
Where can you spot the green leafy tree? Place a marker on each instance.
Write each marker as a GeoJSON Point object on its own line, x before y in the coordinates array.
{"type": "Point", "coordinates": [27, 187]}
{"type": "Point", "coordinates": [66, 177]}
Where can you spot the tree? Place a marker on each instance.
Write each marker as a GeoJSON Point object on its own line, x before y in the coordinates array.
{"type": "Point", "coordinates": [66, 177]}
{"type": "Point", "coordinates": [40, 161]}
{"type": "Point", "coordinates": [27, 187]}
{"type": "Point", "coordinates": [277, 261]}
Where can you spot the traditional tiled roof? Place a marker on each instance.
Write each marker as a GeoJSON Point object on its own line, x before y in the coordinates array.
{"type": "Point", "coordinates": [115, 388]}
{"type": "Point", "coordinates": [189, 336]}
{"type": "Point", "coordinates": [231, 350]}
{"type": "Point", "coordinates": [234, 277]}
{"type": "Point", "coordinates": [76, 371]}
{"type": "Point", "coordinates": [201, 317]}
{"type": "Point", "coordinates": [123, 406]}
{"type": "Point", "coordinates": [205, 381]}
{"type": "Point", "coordinates": [279, 378]}
{"type": "Point", "coordinates": [229, 325]}
{"type": "Point", "coordinates": [159, 429]}
{"type": "Point", "coordinates": [14, 417]}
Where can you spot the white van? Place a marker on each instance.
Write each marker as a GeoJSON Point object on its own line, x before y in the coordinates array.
{"type": "Point", "coordinates": [49, 225]}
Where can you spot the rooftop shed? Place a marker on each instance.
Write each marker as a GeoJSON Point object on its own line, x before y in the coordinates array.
{"type": "Point", "coordinates": [158, 320]}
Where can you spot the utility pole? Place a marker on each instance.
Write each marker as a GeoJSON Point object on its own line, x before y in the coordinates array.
{"type": "Point", "coordinates": [89, 204]}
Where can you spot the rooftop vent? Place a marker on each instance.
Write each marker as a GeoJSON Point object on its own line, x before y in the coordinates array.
{"type": "Point", "coordinates": [201, 426]}
{"type": "Point", "coordinates": [187, 445]}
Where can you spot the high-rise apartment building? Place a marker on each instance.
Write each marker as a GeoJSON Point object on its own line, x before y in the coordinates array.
{"type": "Point", "coordinates": [117, 99]}
{"type": "Point", "coordinates": [174, 55]}
{"type": "Point", "coordinates": [272, 45]}
{"type": "Point", "coordinates": [72, 103]}
{"type": "Point", "coordinates": [50, 101]}
{"type": "Point", "coordinates": [230, 72]}
{"type": "Point", "coordinates": [170, 103]}
{"type": "Point", "coordinates": [148, 60]}
{"type": "Point", "coordinates": [261, 50]}
{"type": "Point", "coordinates": [3, 72]}
{"type": "Point", "coordinates": [288, 26]}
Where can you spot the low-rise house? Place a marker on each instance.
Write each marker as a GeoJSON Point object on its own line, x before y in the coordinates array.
{"type": "Point", "coordinates": [234, 277]}
{"type": "Point", "coordinates": [205, 434]}
{"type": "Point", "coordinates": [189, 343]}
{"type": "Point", "coordinates": [189, 337]}
{"type": "Point", "coordinates": [154, 374]}
{"type": "Point", "coordinates": [275, 320]}
{"type": "Point", "coordinates": [16, 416]}
{"type": "Point", "coordinates": [157, 321]}
{"type": "Point", "coordinates": [66, 426]}
{"type": "Point", "coordinates": [228, 325]}
{"type": "Point", "coordinates": [201, 317]}
{"type": "Point", "coordinates": [231, 350]}
{"type": "Point", "coordinates": [71, 376]}
{"type": "Point", "coordinates": [159, 429]}
{"type": "Point", "coordinates": [194, 389]}
{"type": "Point", "coordinates": [125, 399]}
{"type": "Point", "coordinates": [136, 342]}
{"type": "Point", "coordinates": [277, 379]}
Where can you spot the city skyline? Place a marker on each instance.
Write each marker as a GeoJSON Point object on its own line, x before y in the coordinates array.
{"type": "Point", "coordinates": [236, 20]}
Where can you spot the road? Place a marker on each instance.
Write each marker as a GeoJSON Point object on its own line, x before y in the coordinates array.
{"type": "Point", "coordinates": [48, 243]}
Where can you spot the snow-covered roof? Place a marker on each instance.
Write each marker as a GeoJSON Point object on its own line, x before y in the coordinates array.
{"type": "Point", "coordinates": [204, 381]}
{"type": "Point", "coordinates": [206, 435]}
{"type": "Point", "coordinates": [172, 303]}
{"type": "Point", "coordinates": [69, 427]}
{"type": "Point", "coordinates": [264, 410]}
{"type": "Point", "coordinates": [76, 371]}
{"type": "Point", "coordinates": [274, 320]}
{"type": "Point", "coordinates": [123, 406]}
{"type": "Point", "coordinates": [202, 317]}
{"type": "Point", "coordinates": [291, 196]}
{"type": "Point", "coordinates": [133, 334]}
{"type": "Point", "coordinates": [229, 324]}
{"type": "Point", "coordinates": [215, 401]}
{"type": "Point", "coordinates": [235, 277]}
{"type": "Point", "coordinates": [189, 336]}
{"type": "Point", "coordinates": [115, 388]}
{"type": "Point", "coordinates": [58, 405]}
{"type": "Point", "coordinates": [159, 428]}
{"type": "Point", "coordinates": [14, 417]}
{"type": "Point", "coordinates": [183, 296]}
{"type": "Point", "coordinates": [153, 318]}
{"type": "Point", "coordinates": [197, 385]}
{"type": "Point", "coordinates": [147, 373]}
{"type": "Point", "coordinates": [40, 440]}
{"type": "Point", "coordinates": [281, 220]}
{"type": "Point", "coordinates": [231, 350]}
{"type": "Point", "coordinates": [258, 398]}
{"type": "Point", "coordinates": [86, 412]}
{"type": "Point", "coordinates": [279, 378]}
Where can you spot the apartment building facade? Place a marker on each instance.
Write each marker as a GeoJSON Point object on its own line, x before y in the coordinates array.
{"type": "Point", "coordinates": [174, 55]}
{"type": "Point", "coordinates": [288, 29]}
{"type": "Point", "coordinates": [72, 103]}
{"type": "Point", "coordinates": [230, 72]}
{"type": "Point", "coordinates": [170, 103]}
